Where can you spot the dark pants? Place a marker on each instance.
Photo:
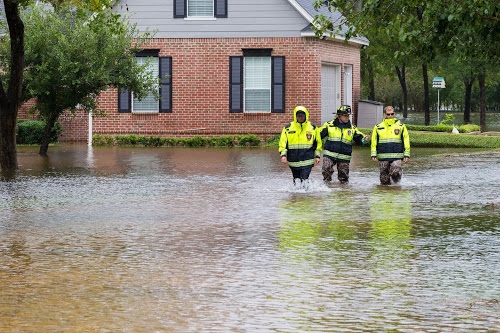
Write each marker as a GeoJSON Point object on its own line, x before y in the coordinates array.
{"type": "Point", "coordinates": [302, 173]}
{"type": "Point", "coordinates": [390, 170]}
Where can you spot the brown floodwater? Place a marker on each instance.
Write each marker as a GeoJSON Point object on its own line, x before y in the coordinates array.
{"type": "Point", "coordinates": [219, 240]}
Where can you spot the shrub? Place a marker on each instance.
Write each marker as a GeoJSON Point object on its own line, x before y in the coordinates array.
{"type": "Point", "coordinates": [30, 132]}
{"type": "Point", "coordinates": [434, 128]}
{"type": "Point", "coordinates": [249, 140]}
{"type": "Point", "coordinates": [447, 140]}
{"type": "Point", "coordinates": [102, 140]}
{"type": "Point", "coordinates": [467, 128]}
{"type": "Point", "coordinates": [224, 141]}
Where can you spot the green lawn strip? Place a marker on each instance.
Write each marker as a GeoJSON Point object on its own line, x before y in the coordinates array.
{"type": "Point", "coordinates": [448, 140]}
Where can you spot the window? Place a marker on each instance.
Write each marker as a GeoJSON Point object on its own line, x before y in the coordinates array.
{"type": "Point", "coordinates": [148, 103]}
{"type": "Point", "coordinates": [257, 82]}
{"type": "Point", "coordinates": [200, 8]}
{"type": "Point", "coordinates": [161, 66]}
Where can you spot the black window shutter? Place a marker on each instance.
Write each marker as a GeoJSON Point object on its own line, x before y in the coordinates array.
{"type": "Point", "coordinates": [179, 8]}
{"type": "Point", "coordinates": [235, 84]}
{"type": "Point", "coordinates": [278, 85]}
{"type": "Point", "coordinates": [166, 84]}
{"type": "Point", "coordinates": [220, 8]}
{"type": "Point", "coordinates": [124, 97]}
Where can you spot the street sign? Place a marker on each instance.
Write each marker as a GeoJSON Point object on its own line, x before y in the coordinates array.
{"type": "Point", "coordinates": [438, 82]}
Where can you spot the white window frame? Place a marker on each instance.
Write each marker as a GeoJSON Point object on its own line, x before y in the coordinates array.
{"type": "Point", "coordinates": [150, 100]}
{"type": "Point", "coordinates": [257, 75]}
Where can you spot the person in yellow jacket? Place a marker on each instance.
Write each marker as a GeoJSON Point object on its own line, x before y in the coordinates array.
{"type": "Point", "coordinates": [390, 145]}
{"type": "Point", "coordinates": [337, 149]}
{"type": "Point", "coordinates": [300, 144]}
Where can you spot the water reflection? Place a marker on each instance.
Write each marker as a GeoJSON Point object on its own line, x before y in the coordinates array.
{"type": "Point", "coordinates": [219, 240]}
{"type": "Point", "coordinates": [391, 216]}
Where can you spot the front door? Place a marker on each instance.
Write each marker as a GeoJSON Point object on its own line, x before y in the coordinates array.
{"type": "Point", "coordinates": [330, 91]}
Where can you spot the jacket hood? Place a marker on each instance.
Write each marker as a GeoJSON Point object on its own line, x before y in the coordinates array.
{"type": "Point", "coordinates": [300, 108]}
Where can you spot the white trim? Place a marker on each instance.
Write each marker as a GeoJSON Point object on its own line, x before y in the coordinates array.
{"type": "Point", "coordinates": [200, 18]}
{"type": "Point", "coordinates": [326, 35]}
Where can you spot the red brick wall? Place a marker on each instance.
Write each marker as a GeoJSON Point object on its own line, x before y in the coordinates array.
{"type": "Point", "coordinates": [200, 81]}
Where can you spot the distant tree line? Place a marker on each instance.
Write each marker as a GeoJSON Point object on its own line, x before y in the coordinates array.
{"type": "Point", "coordinates": [412, 41]}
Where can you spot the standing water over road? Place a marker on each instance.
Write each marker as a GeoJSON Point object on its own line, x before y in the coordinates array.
{"type": "Point", "coordinates": [218, 240]}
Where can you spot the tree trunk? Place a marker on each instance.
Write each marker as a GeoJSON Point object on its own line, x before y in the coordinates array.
{"type": "Point", "coordinates": [482, 100]}
{"type": "Point", "coordinates": [468, 81]}
{"type": "Point", "coordinates": [11, 99]}
{"type": "Point", "coordinates": [426, 94]}
{"type": "Point", "coordinates": [402, 81]}
{"type": "Point", "coordinates": [8, 152]}
{"type": "Point", "coordinates": [49, 124]}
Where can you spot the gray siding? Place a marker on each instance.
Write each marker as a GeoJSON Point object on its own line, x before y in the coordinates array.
{"type": "Point", "coordinates": [256, 18]}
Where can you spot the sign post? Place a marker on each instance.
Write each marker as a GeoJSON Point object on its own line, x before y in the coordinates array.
{"type": "Point", "coordinates": [438, 82]}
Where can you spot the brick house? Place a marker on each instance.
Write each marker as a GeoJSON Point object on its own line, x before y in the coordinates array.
{"type": "Point", "coordinates": [231, 67]}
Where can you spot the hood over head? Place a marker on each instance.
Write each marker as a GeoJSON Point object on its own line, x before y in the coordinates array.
{"type": "Point", "coordinates": [300, 108]}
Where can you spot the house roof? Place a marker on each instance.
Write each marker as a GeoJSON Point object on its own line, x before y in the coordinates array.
{"type": "Point", "coordinates": [306, 9]}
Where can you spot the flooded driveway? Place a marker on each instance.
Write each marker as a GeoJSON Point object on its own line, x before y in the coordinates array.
{"type": "Point", "coordinates": [218, 240]}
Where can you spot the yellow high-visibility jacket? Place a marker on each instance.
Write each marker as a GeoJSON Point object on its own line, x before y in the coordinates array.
{"type": "Point", "coordinates": [338, 145]}
{"type": "Point", "coordinates": [300, 142]}
{"type": "Point", "coordinates": [390, 141]}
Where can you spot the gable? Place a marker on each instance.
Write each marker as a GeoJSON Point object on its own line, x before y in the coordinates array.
{"type": "Point", "coordinates": [257, 18]}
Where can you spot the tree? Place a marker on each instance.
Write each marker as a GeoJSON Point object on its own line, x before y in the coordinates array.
{"type": "Point", "coordinates": [474, 35]}
{"type": "Point", "coordinates": [405, 27]}
{"type": "Point", "coordinates": [11, 86]}
{"type": "Point", "coordinates": [12, 65]}
{"type": "Point", "coordinates": [72, 56]}
{"type": "Point", "coordinates": [426, 29]}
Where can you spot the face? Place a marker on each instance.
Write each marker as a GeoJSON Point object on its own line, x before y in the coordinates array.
{"type": "Point", "coordinates": [389, 113]}
{"type": "Point", "coordinates": [301, 118]}
{"type": "Point", "coordinates": [344, 118]}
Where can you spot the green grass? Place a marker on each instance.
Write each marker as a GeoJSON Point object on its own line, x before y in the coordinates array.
{"type": "Point", "coordinates": [448, 140]}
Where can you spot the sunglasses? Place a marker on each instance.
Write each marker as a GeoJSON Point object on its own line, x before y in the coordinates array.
{"type": "Point", "coordinates": [390, 114]}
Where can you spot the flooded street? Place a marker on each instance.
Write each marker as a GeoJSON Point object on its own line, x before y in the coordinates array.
{"type": "Point", "coordinates": [219, 240]}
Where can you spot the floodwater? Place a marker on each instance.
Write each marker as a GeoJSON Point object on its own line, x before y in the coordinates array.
{"type": "Point", "coordinates": [219, 240]}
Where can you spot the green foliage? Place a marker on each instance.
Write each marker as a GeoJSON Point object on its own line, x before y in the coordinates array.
{"type": "Point", "coordinates": [197, 141]}
{"type": "Point", "coordinates": [449, 119]}
{"type": "Point", "coordinates": [249, 140]}
{"type": "Point", "coordinates": [102, 140]}
{"type": "Point", "coordinates": [94, 5]}
{"type": "Point", "coordinates": [274, 141]}
{"type": "Point", "coordinates": [446, 140]}
{"type": "Point", "coordinates": [433, 128]}
{"type": "Point", "coordinates": [72, 56]}
{"type": "Point", "coordinates": [467, 128]}
{"type": "Point", "coordinates": [30, 132]}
